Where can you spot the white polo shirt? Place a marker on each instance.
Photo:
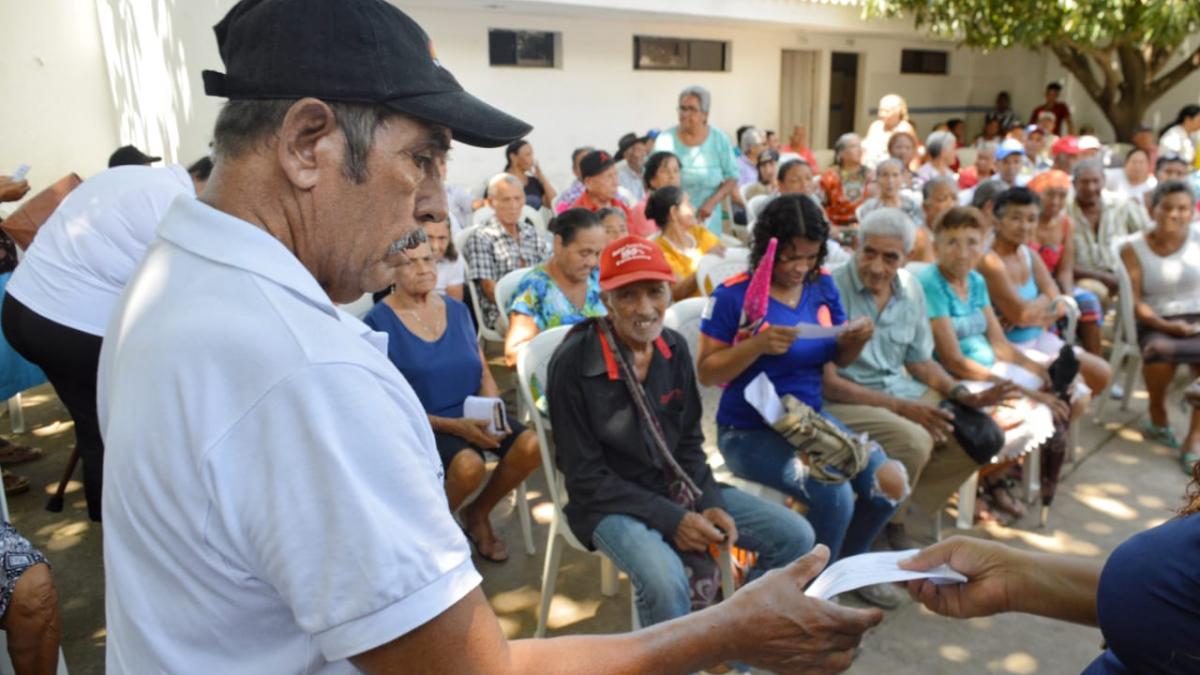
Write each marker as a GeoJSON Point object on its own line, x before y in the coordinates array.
{"type": "Point", "coordinates": [273, 500]}
{"type": "Point", "coordinates": [83, 256]}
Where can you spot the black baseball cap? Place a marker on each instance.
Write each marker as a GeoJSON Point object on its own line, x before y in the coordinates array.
{"type": "Point", "coordinates": [353, 51]}
{"type": "Point", "coordinates": [594, 163]}
{"type": "Point", "coordinates": [128, 155]}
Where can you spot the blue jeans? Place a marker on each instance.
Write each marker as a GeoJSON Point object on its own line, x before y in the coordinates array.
{"type": "Point", "coordinates": [845, 516]}
{"type": "Point", "coordinates": [777, 534]}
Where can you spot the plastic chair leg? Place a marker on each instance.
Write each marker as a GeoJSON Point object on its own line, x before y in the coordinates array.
{"type": "Point", "coordinates": [1134, 364]}
{"type": "Point", "coordinates": [1032, 474]}
{"type": "Point", "coordinates": [554, 546]}
{"type": "Point", "coordinates": [966, 504]}
{"type": "Point", "coordinates": [526, 521]}
{"type": "Point", "coordinates": [16, 415]}
{"type": "Point", "coordinates": [608, 577]}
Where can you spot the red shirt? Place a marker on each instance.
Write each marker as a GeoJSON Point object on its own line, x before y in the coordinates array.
{"type": "Point", "coordinates": [585, 202]}
{"type": "Point", "coordinates": [1061, 114]}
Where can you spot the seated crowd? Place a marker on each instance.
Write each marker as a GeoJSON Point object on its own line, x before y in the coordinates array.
{"type": "Point", "coordinates": [960, 286]}
{"type": "Point", "coordinates": [956, 297]}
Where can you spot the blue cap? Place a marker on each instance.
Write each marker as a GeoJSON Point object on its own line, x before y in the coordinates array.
{"type": "Point", "coordinates": [1010, 146]}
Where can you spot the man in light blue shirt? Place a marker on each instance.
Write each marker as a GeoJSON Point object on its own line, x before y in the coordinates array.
{"type": "Point", "coordinates": [892, 391]}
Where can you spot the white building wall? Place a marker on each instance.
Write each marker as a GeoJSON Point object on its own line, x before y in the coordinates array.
{"type": "Point", "coordinates": [56, 115]}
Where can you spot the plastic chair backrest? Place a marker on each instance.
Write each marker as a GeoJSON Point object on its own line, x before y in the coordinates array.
{"type": "Point", "coordinates": [1126, 321]}
{"type": "Point", "coordinates": [712, 270]}
{"type": "Point", "coordinates": [504, 292]}
{"type": "Point", "coordinates": [684, 317]}
{"type": "Point", "coordinates": [461, 237]}
{"type": "Point", "coordinates": [533, 361]}
{"type": "Point", "coordinates": [755, 207]}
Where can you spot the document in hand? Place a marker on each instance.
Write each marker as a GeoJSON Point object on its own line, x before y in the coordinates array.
{"type": "Point", "coordinates": [815, 331]}
{"type": "Point", "coordinates": [487, 408]}
{"type": "Point", "coordinates": [868, 569]}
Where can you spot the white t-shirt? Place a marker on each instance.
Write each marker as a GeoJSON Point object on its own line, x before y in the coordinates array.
{"type": "Point", "coordinates": [450, 273]}
{"type": "Point", "coordinates": [83, 256]}
{"type": "Point", "coordinates": [1116, 181]}
{"type": "Point", "coordinates": [273, 498]}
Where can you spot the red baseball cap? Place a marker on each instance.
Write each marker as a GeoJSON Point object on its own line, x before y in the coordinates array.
{"type": "Point", "coordinates": [633, 258]}
{"type": "Point", "coordinates": [1067, 145]}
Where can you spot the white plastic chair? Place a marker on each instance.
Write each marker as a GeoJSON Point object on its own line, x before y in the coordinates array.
{"type": "Point", "coordinates": [712, 269]}
{"type": "Point", "coordinates": [754, 208]}
{"type": "Point", "coordinates": [504, 292]}
{"type": "Point", "coordinates": [485, 333]}
{"type": "Point", "coordinates": [485, 213]}
{"type": "Point", "coordinates": [1125, 359]}
{"type": "Point", "coordinates": [16, 414]}
{"type": "Point", "coordinates": [533, 361]}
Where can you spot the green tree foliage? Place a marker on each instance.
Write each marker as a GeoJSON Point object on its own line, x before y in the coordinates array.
{"type": "Point", "coordinates": [1125, 53]}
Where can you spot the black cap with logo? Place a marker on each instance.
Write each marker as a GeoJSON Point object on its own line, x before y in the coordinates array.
{"type": "Point", "coordinates": [595, 163]}
{"type": "Point", "coordinates": [354, 51]}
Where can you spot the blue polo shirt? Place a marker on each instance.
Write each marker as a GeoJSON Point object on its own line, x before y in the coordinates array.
{"type": "Point", "coordinates": [796, 372]}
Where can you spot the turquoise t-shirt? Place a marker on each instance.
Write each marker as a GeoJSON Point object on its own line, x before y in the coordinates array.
{"type": "Point", "coordinates": [970, 323]}
{"type": "Point", "coordinates": [702, 168]}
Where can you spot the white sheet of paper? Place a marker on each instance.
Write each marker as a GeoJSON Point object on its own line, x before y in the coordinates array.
{"type": "Point", "coordinates": [814, 331]}
{"type": "Point", "coordinates": [483, 408]}
{"type": "Point", "coordinates": [761, 395]}
{"type": "Point", "coordinates": [868, 569]}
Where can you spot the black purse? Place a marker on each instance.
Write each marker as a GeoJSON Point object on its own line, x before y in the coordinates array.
{"type": "Point", "coordinates": [975, 431]}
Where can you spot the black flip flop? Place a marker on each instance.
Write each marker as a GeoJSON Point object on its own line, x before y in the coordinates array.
{"type": "Point", "coordinates": [479, 552]}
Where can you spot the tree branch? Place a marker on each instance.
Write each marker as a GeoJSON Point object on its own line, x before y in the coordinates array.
{"type": "Point", "coordinates": [1175, 75]}
{"type": "Point", "coordinates": [1074, 61]}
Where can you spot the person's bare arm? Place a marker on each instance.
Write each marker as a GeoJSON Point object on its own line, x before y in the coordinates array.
{"type": "Point", "coordinates": [1047, 288]}
{"type": "Point", "coordinates": [1005, 351]}
{"type": "Point", "coordinates": [793, 634]}
{"type": "Point", "coordinates": [723, 190]}
{"type": "Point", "coordinates": [521, 329]}
{"type": "Point", "coordinates": [488, 287]}
{"type": "Point", "coordinates": [1066, 266]}
{"type": "Point", "coordinates": [487, 383]}
{"type": "Point", "coordinates": [684, 288]}
{"type": "Point", "coordinates": [455, 291]}
{"type": "Point", "coordinates": [949, 353]}
{"type": "Point", "coordinates": [1107, 278]}
{"type": "Point", "coordinates": [851, 341]}
{"type": "Point", "coordinates": [931, 374]}
{"type": "Point", "coordinates": [1013, 308]}
{"type": "Point", "coordinates": [548, 191]}
{"type": "Point", "coordinates": [1004, 579]}
{"type": "Point", "coordinates": [718, 362]}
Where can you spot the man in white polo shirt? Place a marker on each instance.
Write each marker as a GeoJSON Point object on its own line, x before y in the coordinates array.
{"type": "Point", "coordinates": [274, 499]}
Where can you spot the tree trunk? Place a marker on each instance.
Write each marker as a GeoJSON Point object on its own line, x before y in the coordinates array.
{"type": "Point", "coordinates": [1125, 115]}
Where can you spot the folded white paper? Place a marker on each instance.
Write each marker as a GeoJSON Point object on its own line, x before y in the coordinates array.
{"type": "Point", "coordinates": [814, 331]}
{"type": "Point", "coordinates": [761, 396]}
{"type": "Point", "coordinates": [868, 569]}
{"type": "Point", "coordinates": [487, 408]}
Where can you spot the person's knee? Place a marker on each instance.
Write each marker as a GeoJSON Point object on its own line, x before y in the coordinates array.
{"type": "Point", "coordinates": [892, 481]}
{"type": "Point", "coordinates": [662, 584]}
{"type": "Point", "coordinates": [528, 454]}
{"type": "Point", "coordinates": [34, 596]}
{"type": "Point", "coordinates": [1096, 372]}
{"type": "Point", "coordinates": [466, 470]}
{"type": "Point", "coordinates": [910, 444]}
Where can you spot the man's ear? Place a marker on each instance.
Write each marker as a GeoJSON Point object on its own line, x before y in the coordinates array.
{"type": "Point", "coordinates": [309, 142]}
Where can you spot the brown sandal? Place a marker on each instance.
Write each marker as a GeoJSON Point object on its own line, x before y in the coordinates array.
{"type": "Point", "coordinates": [14, 484]}
{"type": "Point", "coordinates": [15, 453]}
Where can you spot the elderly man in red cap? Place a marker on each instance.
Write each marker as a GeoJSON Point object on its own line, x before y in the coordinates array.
{"type": "Point", "coordinates": [276, 499]}
{"type": "Point", "coordinates": [626, 408]}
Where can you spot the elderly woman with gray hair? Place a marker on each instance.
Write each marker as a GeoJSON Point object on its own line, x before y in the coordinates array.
{"type": "Point", "coordinates": [844, 186]}
{"type": "Point", "coordinates": [940, 152]}
{"type": "Point", "coordinates": [707, 169]}
{"type": "Point", "coordinates": [752, 145]}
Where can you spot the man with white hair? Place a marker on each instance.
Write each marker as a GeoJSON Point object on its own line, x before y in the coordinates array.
{"type": "Point", "coordinates": [506, 242]}
{"type": "Point", "coordinates": [893, 390]}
